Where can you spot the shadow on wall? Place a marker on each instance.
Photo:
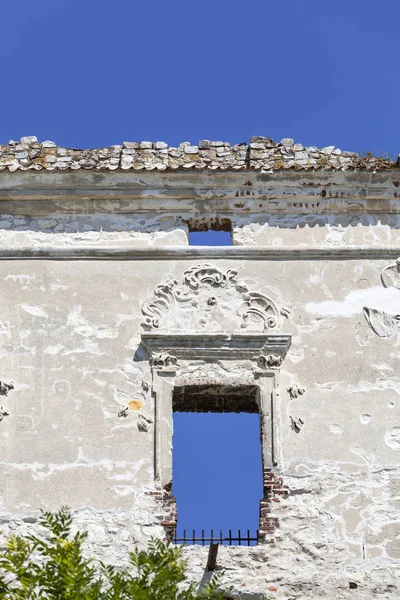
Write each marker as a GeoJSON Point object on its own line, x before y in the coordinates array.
{"type": "Point", "coordinates": [193, 227]}
{"type": "Point", "coordinates": [92, 222]}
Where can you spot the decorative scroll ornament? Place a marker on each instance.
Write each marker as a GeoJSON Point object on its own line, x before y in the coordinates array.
{"type": "Point", "coordinates": [212, 298]}
{"type": "Point", "coordinates": [270, 361]}
{"type": "Point", "coordinates": [390, 276]}
{"type": "Point", "coordinates": [382, 323]}
{"type": "Point", "coordinates": [163, 361]}
{"type": "Point", "coordinates": [199, 275]}
{"type": "Point", "coordinates": [385, 324]}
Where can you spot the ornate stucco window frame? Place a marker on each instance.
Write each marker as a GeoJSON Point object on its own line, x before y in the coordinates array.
{"type": "Point", "coordinates": [188, 349]}
{"type": "Point", "coordinates": [258, 355]}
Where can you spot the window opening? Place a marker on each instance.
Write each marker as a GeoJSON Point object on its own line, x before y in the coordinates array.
{"type": "Point", "coordinates": [210, 232]}
{"type": "Point", "coordinates": [217, 470]}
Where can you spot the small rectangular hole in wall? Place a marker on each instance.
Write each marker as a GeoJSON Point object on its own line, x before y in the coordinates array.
{"type": "Point", "coordinates": [217, 465]}
{"type": "Point", "coordinates": [210, 232]}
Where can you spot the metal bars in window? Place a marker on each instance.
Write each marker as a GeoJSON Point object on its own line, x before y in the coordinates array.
{"type": "Point", "coordinates": [191, 538]}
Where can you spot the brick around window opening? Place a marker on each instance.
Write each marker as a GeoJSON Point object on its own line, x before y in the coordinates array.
{"type": "Point", "coordinates": [167, 511]}
{"type": "Point", "coordinates": [274, 491]}
{"type": "Point", "coordinates": [215, 398]}
{"type": "Point", "coordinates": [220, 398]}
{"type": "Point", "coordinates": [230, 397]}
{"type": "Point", "coordinates": [198, 224]}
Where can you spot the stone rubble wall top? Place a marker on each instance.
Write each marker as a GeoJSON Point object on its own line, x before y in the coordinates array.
{"type": "Point", "coordinates": [261, 154]}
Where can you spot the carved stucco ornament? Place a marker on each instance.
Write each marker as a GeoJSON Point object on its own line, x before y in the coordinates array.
{"type": "Point", "coordinates": [5, 387]}
{"type": "Point", "coordinates": [295, 390]}
{"type": "Point", "coordinates": [271, 361]}
{"type": "Point", "coordinates": [123, 412]}
{"type": "Point", "coordinates": [390, 276]}
{"type": "Point", "coordinates": [385, 324]}
{"type": "Point", "coordinates": [3, 412]}
{"type": "Point", "coordinates": [296, 423]}
{"type": "Point", "coordinates": [210, 297]}
{"type": "Point", "coordinates": [143, 422]}
{"type": "Point", "coordinates": [163, 361]}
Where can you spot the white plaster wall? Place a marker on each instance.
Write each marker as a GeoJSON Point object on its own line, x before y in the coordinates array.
{"type": "Point", "coordinates": [317, 230]}
{"type": "Point", "coordinates": [69, 335]}
{"type": "Point", "coordinates": [312, 230]}
{"type": "Point", "coordinates": [59, 230]}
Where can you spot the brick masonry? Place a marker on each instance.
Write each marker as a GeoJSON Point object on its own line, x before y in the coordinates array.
{"type": "Point", "coordinates": [167, 514]}
{"type": "Point", "coordinates": [274, 490]}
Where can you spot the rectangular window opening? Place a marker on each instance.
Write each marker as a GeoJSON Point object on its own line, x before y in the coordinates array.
{"type": "Point", "coordinates": [217, 464]}
{"type": "Point", "coordinates": [210, 232]}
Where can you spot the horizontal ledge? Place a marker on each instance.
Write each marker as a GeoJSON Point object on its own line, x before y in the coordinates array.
{"type": "Point", "coordinates": [216, 344]}
{"type": "Point", "coordinates": [202, 203]}
{"type": "Point", "coordinates": [198, 252]}
{"type": "Point", "coordinates": [169, 339]}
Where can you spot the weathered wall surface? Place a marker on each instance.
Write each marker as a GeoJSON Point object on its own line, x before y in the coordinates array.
{"type": "Point", "coordinates": [70, 333]}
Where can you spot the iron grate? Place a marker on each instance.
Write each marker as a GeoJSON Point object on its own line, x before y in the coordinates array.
{"type": "Point", "coordinates": [224, 540]}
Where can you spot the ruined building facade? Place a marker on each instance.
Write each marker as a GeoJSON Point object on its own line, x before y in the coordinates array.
{"type": "Point", "coordinates": [110, 318]}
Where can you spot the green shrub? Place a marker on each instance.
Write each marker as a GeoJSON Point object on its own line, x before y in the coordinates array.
{"type": "Point", "coordinates": [53, 567]}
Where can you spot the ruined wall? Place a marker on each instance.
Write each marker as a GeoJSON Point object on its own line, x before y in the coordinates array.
{"type": "Point", "coordinates": [82, 429]}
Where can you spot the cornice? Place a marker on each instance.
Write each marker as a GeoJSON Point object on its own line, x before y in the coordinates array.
{"type": "Point", "coordinates": [206, 345]}
{"type": "Point", "coordinates": [169, 253]}
{"type": "Point", "coordinates": [201, 193]}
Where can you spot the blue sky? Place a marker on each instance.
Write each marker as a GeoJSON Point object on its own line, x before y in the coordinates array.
{"type": "Point", "coordinates": [87, 73]}
{"type": "Point", "coordinates": [217, 472]}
